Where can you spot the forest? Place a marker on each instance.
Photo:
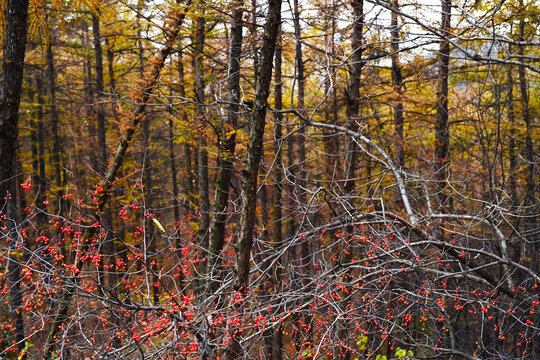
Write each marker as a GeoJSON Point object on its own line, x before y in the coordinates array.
{"type": "Point", "coordinates": [268, 179]}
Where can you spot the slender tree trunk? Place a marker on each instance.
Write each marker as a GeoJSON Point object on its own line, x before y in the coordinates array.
{"type": "Point", "coordinates": [176, 205]}
{"type": "Point", "coordinates": [397, 82]}
{"type": "Point", "coordinates": [353, 105]}
{"type": "Point", "coordinates": [277, 228]}
{"type": "Point", "coordinates": [353, 92]}
{"type": "Point", "coordinates": [254, 154]}
{"type": "Point", "coordinates": [174, 174]}
{"type": "Point", "coordinates": [531, 201]}
{"type": "Point", "coordinates": [150, 238]}
{"type": "Point", "coordinates": [303, 250]}
{"type": "Point", "coordinates": [55, 118]}
{"type": "Point", "coordinates": [255, 142]}
{"type": "Point", "coordinates": [512, 183]}
{"type": "Point", "coordinates": [202, 155]}
{"type": "Point", "coordinates": [112, 80]}
{"type": "Point", "coordinates": [89, 98]}
{"type": "Point", "coordinates": [331, 142]}
{"type": "Point", "coordinates": [189, 178]}
{"type": "Point", "coordinates": [442, 137]}
{"type": "Point", "coordinates": [226, 149]}
{"type": "Point", "coordinates": [100, 109]}
{"type": "Point", "coordinates": [11, 80]}
{"type": "Point", "coordinates": [253, 31]}
{"type": "Point", "coordinates": [38, 152]}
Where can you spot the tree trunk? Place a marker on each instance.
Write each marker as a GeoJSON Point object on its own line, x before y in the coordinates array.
{"type": "Point", "coordinates": [55, 120]}
{"type": "Point", "coordinates": [38, 146]}
{"type": "Point", "coordinates": [11, 80]}
{"type": "Point", "coordinates": [89, 99]}
{"type": "Point", "coordinates": [202, 154]}
{"type": "Point", "coordinates": [303, 251]}
{"type": "Point", "coordinates": [189, 178]}
{"type": "Point", "coordinates": [174, 175]}
{"type": "Point", "coordinates": [112, 80]}
{"type": "Point", "coordinates": [442, 137]}
{"type": "Point", "coordinates": [277, 228]}
{"type": "Point", "coordinates": [108, 243]}
{"type": "Point", "coordinates": [531, 201]}
{"type": "Point", "coordinates": [512, 183]}
{"type": "Point", "coordinates": [226, 147]}
{"type": "Point", "coordinates": [100, 109]}
{"type": "Point", "coordinates": [397, 82]}
{"type": "Point", "coordinates": [254, 154]}
{"type": "Point", "coordinates": [353, 92]}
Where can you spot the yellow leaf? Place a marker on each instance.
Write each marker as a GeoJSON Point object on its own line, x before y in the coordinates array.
{"type": "Point", "coordinates": [158, 225]}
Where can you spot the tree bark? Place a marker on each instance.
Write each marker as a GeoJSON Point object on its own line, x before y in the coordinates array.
{"type": "Point", "coordinates": [189, 178]}
{"type": "Point", "coordinates": [531, 204]}
{"type": "Point", "coordinates": [303, 251]}
{"type": "Point", "coordinates": [397, 82]}
{"type": "Point", "coordinates": [226, 147]}
{"type": "Point", "coordinates": [277, 226]}
{"type": "Point", "coordinates": [89, 98]}
{"type": "Point", "coordinates": [254, 154]}
{"type": "Point", "coordinates": [442, 136]}
{"type": "Point", "coordinates": [353, 92]}
{"type": "Point", "coordinates": [55, 118]}
{"type": "Point", "coordinates": [202, 154]}
{"type": "Point", "coordinates": [11, 80]}
{"type": "Point", "coordinates": [38, 150]}
{"type": "Point", "coordinates": [255, 142]}
{"type": "Point", "coordinates": [100, 109]}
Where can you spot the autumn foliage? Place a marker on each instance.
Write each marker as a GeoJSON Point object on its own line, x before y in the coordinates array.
{"type": "Point", "coordinates": [270, 180]}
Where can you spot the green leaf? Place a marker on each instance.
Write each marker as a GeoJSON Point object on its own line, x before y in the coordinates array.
{"type": "Point", "coordinates": [362, 342]}
{"type": "Point", "coordinates": [401, 353]}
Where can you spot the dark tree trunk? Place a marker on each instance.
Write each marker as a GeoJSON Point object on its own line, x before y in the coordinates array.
{"type": "Point", "coordinates": [397, 82]}
{"type": "Point", "coordinates": [55, 118]}
{"type": "Point", "coordinates": [254, 154]}
{"type": "Point", "coordinates": [253, 31]}
{"type": "Point", "coordinates": [277, 228]}
{"type": "Point", "coordinates": [255, 142]}
{"type": "Point", "coordinates": [89, 99]}
{"type": "Point", "coordinates": [11, 80]}
{"type": "Point", "coordinates": [353, 92]}
{"type": "Point", "coordinates": [112, 80]}
{"type": "Point", "coordinates": [202, 154]}
{"type": "Point", "coordinates": [442, 136]}
{"type": "Point", "coordinates": [174, 175]}
{"type": "Point", "coordinates": [512, 183]}
{"type": "Point", "coordinates": [226, 147]}
{"type": "Point", "coordinates": [353, 105]}
{"type": "Point", "coordinates": [531, 201]}
{"type": "Point", "coordinates": [100, 109]}
{"type": "Point", "coordinates": [303, 251]}
{"type": "Point", "coordinates": [147, 175]}
{"type": "Point", "coordinates": [176, 204]}
{"type": "Point", "coordinates": [189, 178]}
{"type": "Point", "coordinates": [38, 152]}
{"type": "Point", "coordinates": [331, 142]}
